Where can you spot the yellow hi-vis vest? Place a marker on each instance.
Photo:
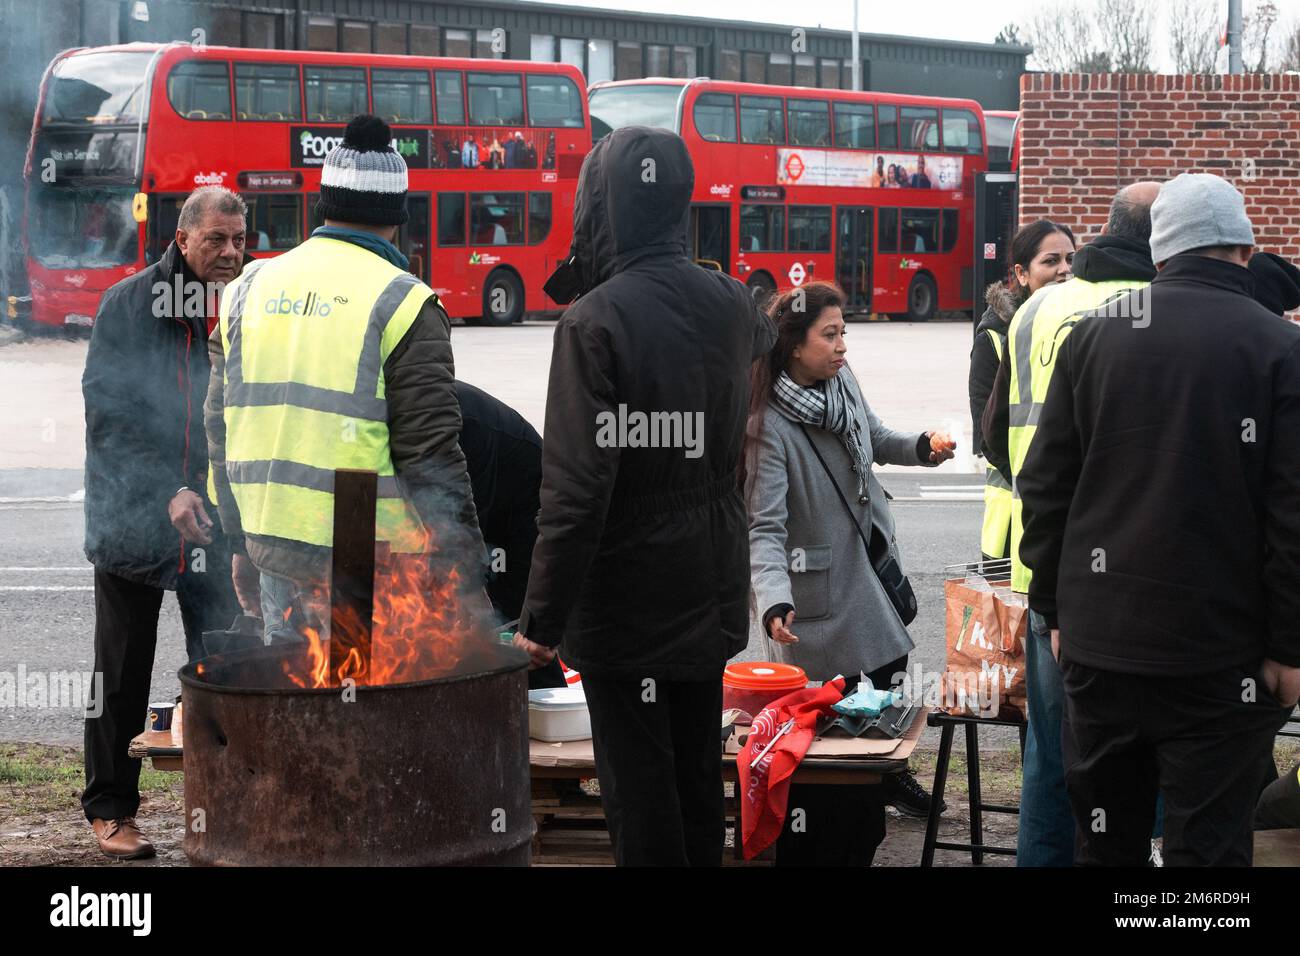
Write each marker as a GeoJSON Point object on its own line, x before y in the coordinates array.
{"type": "Point", "coordinates": [996, 529]}
{"type": "Point", "coordinates": [306, 336]}
{"type": "Point", "coordinates": [1034, 337]}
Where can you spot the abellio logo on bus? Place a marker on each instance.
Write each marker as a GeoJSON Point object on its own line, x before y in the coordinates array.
{"type": "Point", "coordinates": [309, 145]}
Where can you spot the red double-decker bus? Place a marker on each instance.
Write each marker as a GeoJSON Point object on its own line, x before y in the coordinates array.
{"type": "Point", "coordinates": [872, 190]}
{"type": "Point", "coordinates": [123, 134]}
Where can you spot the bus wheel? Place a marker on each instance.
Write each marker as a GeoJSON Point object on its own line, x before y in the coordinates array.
{"type": "Point", "coordinates": [761, 287]}
{"type": "Point", "coordinates": [503, 298]}
{"type": "Point", "coordinates": [922, 298]}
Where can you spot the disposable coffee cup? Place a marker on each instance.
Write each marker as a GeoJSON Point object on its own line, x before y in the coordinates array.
{"type": "Point", "coordinates": [160, 715]}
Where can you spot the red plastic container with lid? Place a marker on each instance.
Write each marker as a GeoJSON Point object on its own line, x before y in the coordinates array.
{"type": "Point", "coordinates": [752, 685]}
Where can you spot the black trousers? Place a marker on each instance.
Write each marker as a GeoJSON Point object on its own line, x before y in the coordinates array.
{"type": "Point", "coordinates": [839, 825]}
{"type": "Point", "coordinates": [659, 759]}
{"type": "Point", "coordinates": [1194, 740]}
{"type": "Point", "coordinates": [126, 635]}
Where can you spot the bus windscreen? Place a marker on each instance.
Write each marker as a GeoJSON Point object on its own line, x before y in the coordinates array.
{"type": "Point", "coordinates": [96, 88]}
{"type": "Point", "coordinates": [645, 104]}
{"type": "Point", "coordinates": [82, 228]}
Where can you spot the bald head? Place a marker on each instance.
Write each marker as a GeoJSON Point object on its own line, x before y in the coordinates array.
{"type": "Point", "coordinates": [1130, 211]}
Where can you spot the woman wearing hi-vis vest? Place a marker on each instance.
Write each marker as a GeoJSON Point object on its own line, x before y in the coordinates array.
{"type": "Point", "coordinates": [1041, 253]}
{"type": "Point", "coordinates": [813, 504]}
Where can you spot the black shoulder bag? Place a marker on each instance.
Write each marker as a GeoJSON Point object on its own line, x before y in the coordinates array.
{"type": "Point", "coordinates": [897, 588]}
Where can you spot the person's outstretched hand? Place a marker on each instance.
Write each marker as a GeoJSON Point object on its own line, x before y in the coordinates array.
{"type": "Point", "coordinates": [779, 629]}
{"type": "Point", "coordinates": [539, 655]}
{"type": "Point", "coordinates": [942, 447]}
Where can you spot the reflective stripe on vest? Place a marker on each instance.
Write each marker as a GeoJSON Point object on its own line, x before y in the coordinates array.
{"type": "Point", "coordinates": [1035, 335]}
{"type": "Point", "coordinates": [306, 337]}
{"type": "Point", "coordinates": [995, 531]}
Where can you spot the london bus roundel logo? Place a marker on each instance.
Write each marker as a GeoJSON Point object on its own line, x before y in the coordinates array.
{"type": "Point", "coordinates": [794, 167]}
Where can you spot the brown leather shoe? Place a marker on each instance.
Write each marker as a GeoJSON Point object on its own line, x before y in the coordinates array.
{"type": "Point", "coordinates": [121, 839]}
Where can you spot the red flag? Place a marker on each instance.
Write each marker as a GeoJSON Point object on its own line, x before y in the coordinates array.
{"type": "Point", "coordinates": [765, 789]}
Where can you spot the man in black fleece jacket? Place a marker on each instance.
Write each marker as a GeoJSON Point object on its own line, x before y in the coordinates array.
{"type": "Point", "coordinates": [1162, 523]}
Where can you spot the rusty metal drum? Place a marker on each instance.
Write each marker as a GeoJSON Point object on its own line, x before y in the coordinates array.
{"type": "Point", "coordinates": [427, 773]}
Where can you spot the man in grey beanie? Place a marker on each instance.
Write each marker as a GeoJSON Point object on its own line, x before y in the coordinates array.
{"type": "Point", "coordinates": [334, 356]}
{"type": "Point", "coordinates": [1162, 523]}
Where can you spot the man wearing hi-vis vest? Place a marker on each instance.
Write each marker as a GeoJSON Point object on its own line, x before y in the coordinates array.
{"type": "Point", "coordinates": [1116, 262]}
{"type": "Point", "coordinates": [334, 356]}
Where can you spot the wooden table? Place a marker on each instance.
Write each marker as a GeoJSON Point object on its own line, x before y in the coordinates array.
{"type": "Point", "coordinates": [571, 823]}
{"type": "Point", "coordinates": [160, 747]}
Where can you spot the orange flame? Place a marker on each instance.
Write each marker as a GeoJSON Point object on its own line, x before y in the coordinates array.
{"type": "Point", "coordinates": [423, 628]}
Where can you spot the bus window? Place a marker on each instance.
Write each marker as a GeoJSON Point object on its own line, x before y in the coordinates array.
{"type": "Point", "coordinates": [888, 127]}
{"type": "Point", "coordinates": [961, 132]}
{"type": "Point", "coordinates": [553, 101]}
{"type": "Point", "coordinates": [335, 94]}
{"type": "Point", "coordinates": [160, 230]}
{"type": "Point", "coordinates": [855, 125]}
{"type": "Point", "coordinates": [274, 221]}
{"type": "Point", "coordinates": [314, 219]}
{"type": "Point", "coordinates": [810, 229]}
{"type": "Point", "coordinates": [267, 91]}
{"type": "Point", "coordinates": [761, 120]}
{"type": "Point", "coordinates": [495, 99]}
{"type": "Point", "coordinates": [451, 219]}
{"type": "Point", "coordinates": [920, 231]}
{"type": "Point", "coordinates": [539, 217]}
{"type": "Point", "coordinates": [715, 117]}
{"type": "Point", "coordinates": [496, 219]}
{"type": "Point", "coordinates": [199, 90]}
{"type": "Point", "coordinates": [451, 99]}
{"type": "Point", "coordinates": [810, 122]}
{"type": "Point", "coordinates": [401, 96]}
{"type": "Point", "coordinates": [920, 128]}
{"type": "Point", "coordinates": [950, 227]}
{"type": "Point", "coordinates": [762, 228]}
{"type": "Point", "coordinates": [887, 240]}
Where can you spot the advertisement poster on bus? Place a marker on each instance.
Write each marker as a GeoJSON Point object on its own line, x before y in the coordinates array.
{"type": "Point", "coordinates": [824, 167]}
{"type": "Point", "coordinates": [443, 147]}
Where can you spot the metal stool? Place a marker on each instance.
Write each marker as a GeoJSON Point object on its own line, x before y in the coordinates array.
{"type": "Point", "coordinates": [949, 724]}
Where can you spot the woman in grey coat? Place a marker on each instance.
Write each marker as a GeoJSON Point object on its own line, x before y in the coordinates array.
{"type": "Point", "coordinates": [821, 604]}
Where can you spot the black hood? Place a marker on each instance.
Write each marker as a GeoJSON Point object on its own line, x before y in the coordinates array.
{"type": "Point", "coordinates": [1110, 258]}
{"type": "Point", "coordinates": [633, 200]}
{"type": "Point", "coordinates": [1277, 282]}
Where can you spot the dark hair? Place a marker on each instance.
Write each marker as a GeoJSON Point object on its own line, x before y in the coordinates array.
{"type": "Point", "coordinates": [1128, 219]}
{"type": "Point", "coordinates": [794, 311]}
{"type": "Point", "coordinates": [1025, 245]}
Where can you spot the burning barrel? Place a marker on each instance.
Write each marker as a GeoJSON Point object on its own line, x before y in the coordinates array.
{"type": "Point", "coordinates": [431, 772]}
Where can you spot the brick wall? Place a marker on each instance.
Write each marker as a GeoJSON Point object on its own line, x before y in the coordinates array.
{"type": "Point", "coordinates": [1083, 136]}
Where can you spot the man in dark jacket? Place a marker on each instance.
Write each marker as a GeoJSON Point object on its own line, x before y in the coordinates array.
{"type": "Point", "coordinates": [642, 565]}
{"type": "Point", "coordinates": [1162, 507]}
{"type": "Point", "coordinates": [1108, 267]}
{"type": "Point", "coordinates": [503, 455]}
{"type": "Point", "coordinates": [147, 524]}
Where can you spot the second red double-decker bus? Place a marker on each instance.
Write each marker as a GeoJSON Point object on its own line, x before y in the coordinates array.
{"type": "Point", "coordinates": [123, 134]}
{"type": "Point", "coordinates": [872, 190]}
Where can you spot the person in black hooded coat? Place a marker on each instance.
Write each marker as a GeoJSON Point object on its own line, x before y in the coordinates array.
{"type": "Point", "coordinates": [641, 566]}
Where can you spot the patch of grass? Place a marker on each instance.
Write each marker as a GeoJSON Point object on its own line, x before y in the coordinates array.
{"type": "Point", "coordinates": [35, 778]}
{"type": "Point", "coordinates": [1000, 774]}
